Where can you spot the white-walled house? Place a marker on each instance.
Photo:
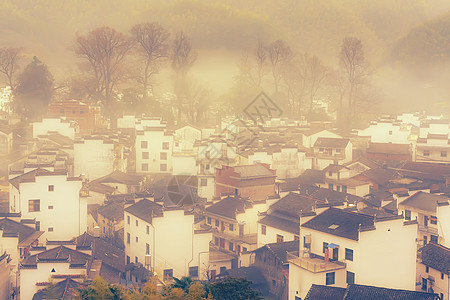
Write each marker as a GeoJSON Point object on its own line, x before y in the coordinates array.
{"type": "Point", "coordinates": [93, 157]}
{"type": "Point", "coordinates": [53, 199]}
{"type": "Point", "coordinates": [58, 125]}
{"type": "Point", "coordinates": [153, 147]}
{"type": "Point", "coordinates": [340, 247]}
{"type": "Point", "coordinates": [443, 216]}
{"type": "Point", "coordinates": [433, 270]}
{"type": "Point", "coordinates": [310, 137]}
{"type": "Point", "coordinates": [329, 151]}
{"type": "Point", "coordinates": [387, 131]}
{"type": "Point", "coordinates": [166, 240]}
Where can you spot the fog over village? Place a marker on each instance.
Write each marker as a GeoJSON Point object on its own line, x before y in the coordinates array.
{"type": "Point", "coordinates": [224, 149]}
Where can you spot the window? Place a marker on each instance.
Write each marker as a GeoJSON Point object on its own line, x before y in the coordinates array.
{"type": "Point", "coordinates": [321, 149]}
{"type": "Point", "coordinates": [217, 223]}
{"type": "Point", "coordinates": [244, 249]}
{"type": "Point", "coordinates": [426, 152]}
{"type": "Point", "coordinates": [51, 188]}
{"type": "Point", "coordinates": [208, 220]}
{"type": "Point", "coordinates": [163, 167]}
{"type": "Point", "coordinates": [144, 144]}
{"type": "Point", "coordinates": [207, 167]}
{"type": "Point", "coordinates": [280, 238]}
{"type": "Point", "coordinates": [442, 276]}
{"type": "Point", "coordinates": [128, 260]}
{"type": "Point", "coordinates": [216, 241]}
{"type": "Point", "coordinates": [338, 188]}
{"type": "Point", "coordinates": [144, 167]}
{"type": "Point", "coordinates": [344, 189]}
{"type": "Point", "coordinates": [348, 254]}
{"type": "Point", "coordinates": [434, 239]}
{"type": "Point", "coordinates": [204, 182]}
{"type": "Point", "coordinates": [222, 243]}
{"type": "Point", "coordinates": [427, 269]}
{"type": "Point", "coordinates": [128, 220]}
{"type": "Point", "coordinates": [443, 153]}
{"type": "Point", "coordinates": [34, 205]}
{"type": "Point", "coordinates": [137, 223]}
{"type": "Point", "coordinates": [350, 277]}
{"type": "Point", "coordinates": [38, 225]}
{"type": "Point", "coordinates": [325, 245]}
{"type": "Point", "coordinates": [424, 284]}
{"type": "Point", "coordinates": [50, 207]}
{"type": "Point", "coordinates": [50, 229]}
{"type": "Point", "coordinates": [390, 132]}
{"type": "Point", "coordinates": [147, 229]}
{"type": "Point", "coordinates": [231, 227]}
{"type": "Point", "coordinates": [163, 155]}
{"type": "Point", "coordinates": [231, 246]}
{"type": "Point", "coordinates": [136, 260]}
{"type": "Point", "coordinates": [433, 220]}
{"type": "Point", "coordinates": [137, 239]}
{"type": "Point", "coordinates": [128, 238]}
{"type": "Point", "coordinates": [145, 155]}
{"type": "Point", "coordinates": [329, 278]}
{"type": "Point", "coordinates": [407, 214]}
{"type": "Point", "coordinates": [168, 274]}
{"type": "Point", "coordinates": [165, 146]}
{"type": "Point", "coordinates": [338, 150]}
{"type": "Point", "coordinates": [263, 229]}
{"type": "Point", "coordinates": [147, 248]}
{"type": "Point", "coordinates": [193, 271]}
{"type": "Point", "coordinates": [330, 173]}
{"type": "Point", "coordinates": [330, 186]}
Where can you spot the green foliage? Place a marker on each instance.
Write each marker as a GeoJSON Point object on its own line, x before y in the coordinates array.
{"type": "Point", "coordinates": [234, 289]}
{"type": "Point", "coordinates": [34, 90]}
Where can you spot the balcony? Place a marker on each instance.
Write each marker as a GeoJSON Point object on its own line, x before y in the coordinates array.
{"type": "Point", "coordinates": [428, 229]}
{"type": "Point", "coordinates": [316, 264]}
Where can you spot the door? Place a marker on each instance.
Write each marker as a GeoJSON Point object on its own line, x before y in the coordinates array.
{"type": "Point", "coordinates": [336, 254]}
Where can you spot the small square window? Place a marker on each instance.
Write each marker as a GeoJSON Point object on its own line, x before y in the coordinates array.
{"type": "Point", "coordinates": [51, 188]}
{"type": "Point", "coordinates": [426, 152]}
{"type": "Point", "coordinates": [263, 229]}
{"type": "Point", "coordinates": [193, 271]}
{"type": "Point", "coordinates": [144, 144]}
{"type": "Point", "coordinates": [348, 254]}
{"type": "Point", "coordinates": [443, 153]}
{"type": "Point", "coordinates": [203, 182]}
{"type": "Point", "coordinates": [165, 145]}
{"type": "Point", "coordinates": [163, 167]}
{"type": "Point", "coordinates": [350, 277]}
{"type": "Point", "coordinates": [50, 229]}
{"type": "Point", "coordinates": [330, 278]}
{"type": "Point", "coordinates": [145, 155]}
{"type": "Point", "coordinates": [280, 238]}
{"type": "Point", "coordinates": [144, 167]}
{"type": "Point", "coordinates": [434, 239]}
{"type": "Point", "coordinates": [168, 274]}
{"type": "Point", "coordinates": [34, 205]}
{"type": "Point", "coordinates": [207, 167]}
{"type": "Point", "coordinates": [163, 155]}
{"type": "Point", "coordinates": [50, 207]}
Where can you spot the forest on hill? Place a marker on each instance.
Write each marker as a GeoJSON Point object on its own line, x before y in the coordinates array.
{"type": "Point", "coordinates": [398, 39]}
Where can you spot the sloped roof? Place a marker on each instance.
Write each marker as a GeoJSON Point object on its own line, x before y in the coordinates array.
{"type": "Point", "coordinates": [437, 257]}
{"type": "Point", "coordinates": [380, 175]}
{"type": "Point", "coordinates": [325, 292]}
{"type": "Point", "coordinates": [292, 204]}
{"type": "Point", "coordinates": [66, 289]}
{"type": "Point", "coordinates": [252, 171]}
{"type": "Point", "coordinates": [60, 253]}
{"type": "Point", "coordinates": [112, 211]}
{"type": "Point", "coordinates": [145, 210]}
{"type": "Point", "coordinates": [24, 232]}
{"type": "Point", "coordinates": [331, 142]}
{"type": "Point", "coordinates": [366, 292]}
{"type": "Point", "coordinates": [348, 223]}
{"type": "Point", "coordinates": [229, 207]}
{"type": "Point", "coordinates": [424, 201]}
{"type": "Point", "coordinates": [281, 223]}
{"type": "Point", "coordinates": [280, 250]}
{"type": "Point", "coordinates": [389, 148]}
{"type": "Point", "coordinates": [120, 177]}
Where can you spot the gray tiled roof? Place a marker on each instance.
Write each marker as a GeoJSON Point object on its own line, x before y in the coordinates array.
{"type": "Point", "coordinates": [436, 257]}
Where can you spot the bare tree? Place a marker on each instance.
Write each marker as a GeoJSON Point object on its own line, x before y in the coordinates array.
{"type": "Point", "coordinates": [317, 73]}
{"type": "Point", "coordinates": [9, 65]}
{"type": "Point", "coordinates": [104, 49]}
{"type": "Point", "coordinates": [260, 55]}
{"type": "Point", "coordinates": [355, 68]}
{"type": "Point", "coordinates": [182, 59]}
{"type": "Point", "coordinates": [151, 39]}
{"type": "Point", "coordinates": [279, 54]}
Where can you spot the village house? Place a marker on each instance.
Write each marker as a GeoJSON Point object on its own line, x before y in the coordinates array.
{"type": "Point", "coordinates": [422, 206]}
{"type": "Point", "coordinates": [255, 182]}
{"type": "Point", "coordinates": [310, 137]}
{"type": "Point", "coordinates": [212, 153]}
{"type": "Point", "coordinates": [53, 199]}
{"type": "Point", "coordinates": [123, 183]}
{"type": "Point", "coordinates": [433, 270]}
{"type": "Point", "coordinates": [433, 143]}
{"type": "Point", "coordinates": [5, 280]}
{"type": "Point", "coordinates": [110, 219]}
{"type": "Point", "coordinates": [153, 146]}
{"type": "Point", "coordinates": [61, 126]}
{"type": "Point", "coordinates": [329, 151]}
{"type": "Point", "coordinates": [339, 247]}
{"type": "Point", "coordinates": [93, 164]}
{"type": "Point", "coordinates": [387, 130]}
{"type": "Point", "coordinates": [338, 178]}
{"type": "Point", "coordinates": [389, 151]}
{"type": "Point", "coordinates": [87, 116]}
{"type": "Point", "coordinates": [272, 260]}
{"type": "Point", "coordinates": [166, 240]}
